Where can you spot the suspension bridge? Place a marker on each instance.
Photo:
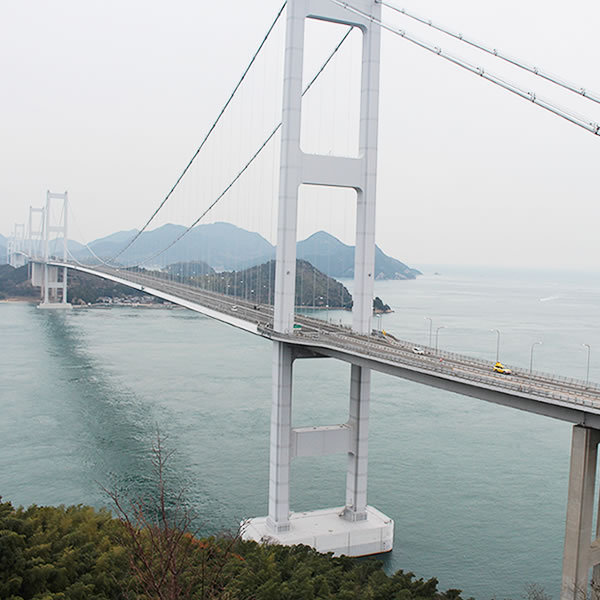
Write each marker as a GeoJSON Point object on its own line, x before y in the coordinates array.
{"type": "Point", "coordinates": [299, 170]}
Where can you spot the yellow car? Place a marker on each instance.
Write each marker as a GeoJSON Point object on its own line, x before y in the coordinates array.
{"type": "Point", "coordinates": [500, 368]}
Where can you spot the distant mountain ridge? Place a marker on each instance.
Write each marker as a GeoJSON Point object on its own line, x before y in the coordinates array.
{"type": "Point", "coordinates": [223, 246]}
{"type": "Point", "coordinates": [336, 259]}
{"type": "Point", "coordinates": [226, 247]}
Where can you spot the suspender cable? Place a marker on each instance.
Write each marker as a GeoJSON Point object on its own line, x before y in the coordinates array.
{"type": "Point", "coordinates": [580, 121]}
{"type": "Point", "coordinates": [252, 158]}
{"type": "Point", "coordinates": [493, 51]}
{"type": "Point", "coordinates": [219, 197]}
{"type": "Point", "coordinates": [212, 128]}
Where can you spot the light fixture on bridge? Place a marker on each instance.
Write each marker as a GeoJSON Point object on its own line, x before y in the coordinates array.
{"type": "Point", "coordinates": [531, 355]}
{"type": "Point", "coordinates": [437, 335]}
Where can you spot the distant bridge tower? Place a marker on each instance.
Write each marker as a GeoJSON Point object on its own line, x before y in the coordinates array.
{"type": "Point", "coordinates": [356, 528]}
{"type": "Point", "coordinates": [52, 278]}
{"type": "Point", "coordinates": [15, 248]}
{"type": "Point", "coordinates": [35, 232]}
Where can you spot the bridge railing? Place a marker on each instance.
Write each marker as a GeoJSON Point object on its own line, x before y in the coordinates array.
{"type": "Point", "coordinates": [554, 385]}
{"type": "Point", "coordinates": [548, 378]}
{"type": "Point", "coordinates": [324, 329]}
{"type": "Point", "coordinates": [539, 375]}
{"type": "Point", "coordinates": [504, 383]}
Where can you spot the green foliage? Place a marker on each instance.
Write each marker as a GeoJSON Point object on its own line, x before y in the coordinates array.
{"type": "Point", "coordinates": [81, 286]}
{"type": "Point", "coordinates": [58, 553]}
{"type": "Point", "coordinates": [15, 282]}
{"type": "Point", "coordinates": [257, 284]}
{"type": "Point", "coordinates": [271, 572]}
{"type": "Point", "coordinates": [78, 553]}
{"type": "Point", "coordinates": [86, 288]}
{"type": "Point", "coordinates": [379, 306]}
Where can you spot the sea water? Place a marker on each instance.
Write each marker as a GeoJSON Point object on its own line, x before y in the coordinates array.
{"type": "Point", "coordinates": [477, 491]}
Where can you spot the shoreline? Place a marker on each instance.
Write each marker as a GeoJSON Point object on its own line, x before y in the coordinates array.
{"type": "Point", "coordinates": [152, 306]}
{"type": "Point", "coordinates": [158, 306]}
{"type": "Point", "coordinates": [19, 300]}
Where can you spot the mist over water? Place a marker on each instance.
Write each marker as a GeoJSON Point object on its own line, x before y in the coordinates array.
{"type": "Point", "coordinates": [477, 491]}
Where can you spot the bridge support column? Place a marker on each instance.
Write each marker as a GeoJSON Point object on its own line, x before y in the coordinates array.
{"type": "Point", "coordinates": [355, 529]}
{"type": "Point", "coordinates": [356, 478]}
{"type": "Point", "coordinates": [580, 553]}
{"type": "Point", "coordinates": [281, 427]}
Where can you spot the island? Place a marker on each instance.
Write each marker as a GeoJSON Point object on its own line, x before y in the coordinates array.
{"type": "Point", "coordinates": [314, 289]}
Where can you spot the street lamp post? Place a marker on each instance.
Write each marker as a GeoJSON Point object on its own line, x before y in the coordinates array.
{"type": "Point", "coordinates": [531, 356]}
{"type": "Point", "coordinates": [587, 371]}
{"type": "Point", "coordinates": [497, 344]}
{"type": "Point", "coordinates": [430, 329]}
{"type": "Point", "coordinates": [437, 333]}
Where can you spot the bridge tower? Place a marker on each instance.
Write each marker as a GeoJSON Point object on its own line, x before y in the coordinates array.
{"type": "Point", "coordinates": [52, 278]}
{"type": "Point", "coordinates": [15, 247]}
{"type": "Point", "coordinates": [356, 528]}
{"type": "Point", "coordinates": [35, 232]}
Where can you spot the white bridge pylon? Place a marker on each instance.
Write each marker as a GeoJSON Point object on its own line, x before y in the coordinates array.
{"type": "Point", "coordinates": [15, 247]}
{"type": "Point", "coordinates": [51, 278]}
{"type": "Point", "coordinates": [354, 529]}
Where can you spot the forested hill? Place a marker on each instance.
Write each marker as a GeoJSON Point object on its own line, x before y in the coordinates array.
{"type": "Point", "coordinates": [82, 288]}
{"type": "Point", "coordinates": [14, 283]}
{"type": "Point", "coordinates": [314, 289]}
{"type": "Point", "coordinates": [257, 284]}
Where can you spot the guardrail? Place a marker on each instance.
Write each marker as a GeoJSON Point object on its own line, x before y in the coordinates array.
{"type": "Point", "coordinates": [374, 350]}
{"type": "Point", "coordinates": [375, 346]}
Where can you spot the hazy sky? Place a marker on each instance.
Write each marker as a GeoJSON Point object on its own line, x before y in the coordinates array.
{"type": "Point", "coordinates": [109, 99]}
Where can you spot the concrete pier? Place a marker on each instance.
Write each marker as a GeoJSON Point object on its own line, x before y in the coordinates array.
{"type": "Point", "coordinates": [581, 553]}
{"type": "Point", "coordinates": [328, 530]}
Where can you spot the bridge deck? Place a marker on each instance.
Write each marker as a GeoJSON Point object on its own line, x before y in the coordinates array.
{"type": "Point", "coordinates": [559, 397]}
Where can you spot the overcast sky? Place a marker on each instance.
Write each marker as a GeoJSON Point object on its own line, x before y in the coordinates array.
{"type": "Point", "coordinates": [109, 99]}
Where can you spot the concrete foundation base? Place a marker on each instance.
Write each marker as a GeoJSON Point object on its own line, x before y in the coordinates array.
{"type": "Point", "coordinates": [326, 531]}
{"type": "Point", "coordinates": [55, 305]}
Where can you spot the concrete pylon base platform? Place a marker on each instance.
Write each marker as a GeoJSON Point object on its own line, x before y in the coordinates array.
{"type": "Point", "coordinates": [55, 305]}
{"type": "Point", "coordinates": [326, 531]}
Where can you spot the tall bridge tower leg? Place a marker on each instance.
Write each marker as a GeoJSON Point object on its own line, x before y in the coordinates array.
{"type": "Point", "coordinates": [54, 278]}
{"type": "Point", "coordinates": [356, 478]}
{"type": "Point", "coordinates": [581, 553]}
{"type": "Point", "coordinates": [356, 528]}
{"type": "Point", "coordinates": [278, 520]}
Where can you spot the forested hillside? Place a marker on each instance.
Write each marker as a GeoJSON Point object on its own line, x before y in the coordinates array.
{"type": "Point", "coordinates": [78, 553]}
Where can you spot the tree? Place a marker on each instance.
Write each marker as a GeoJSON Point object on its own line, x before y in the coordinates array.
{"type": "Point", "coordinates": [167, 560]}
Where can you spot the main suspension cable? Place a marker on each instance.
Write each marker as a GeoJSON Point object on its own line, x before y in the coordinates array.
{"type": "Point", "coordinates": [86, 245]}
{"type": "Point", "coordinates": [253, 157]}
{"type": "Point", "coordinates": [580, 121]}
{"type": "Point", "coordinates": [212, 128]}
{"type": "Point", "coordinates": [494, 52]}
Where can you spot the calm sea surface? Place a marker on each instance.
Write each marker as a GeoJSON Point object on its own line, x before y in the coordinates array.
{"type": "Point", "coordinates": [477, 491]}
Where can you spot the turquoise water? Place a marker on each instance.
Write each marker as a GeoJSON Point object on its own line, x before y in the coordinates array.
{"type": "Point", "coordinates": [477, 491]}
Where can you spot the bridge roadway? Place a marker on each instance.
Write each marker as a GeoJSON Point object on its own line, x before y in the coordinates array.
{"type": "Point", "coordinates": [558, 397]}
